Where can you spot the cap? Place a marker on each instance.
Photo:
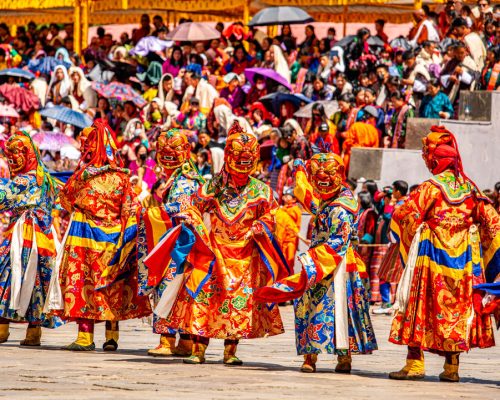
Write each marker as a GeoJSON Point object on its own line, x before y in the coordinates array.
{"type": "Point", "coordinates": [289, 192]}
{"type": "Point", "coordinates": [229, 77]}
{"type": "Point", "coordinates": [371, 111]}
{"type": "Point", "coordinates": [194, 100]}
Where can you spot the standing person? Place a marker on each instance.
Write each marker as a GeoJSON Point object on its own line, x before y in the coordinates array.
{"type": "Point", "coordinates": [98, 244]}
{"type": "Point", "coordinates": [396, 130]}
{"type": "Point", "coordinates": [423, 30]}
{"type": "Point", "coordinates": [393, 198]}
{"type": "Point", "coordinates": [312, 130]}
{"type": "Point", "coordinates": [366, 227]}
{"type": "Point", "coordinates": [288, 221]}
{"type": "Point", "coordinates": [332, 307]}
{"type": "Point", "coordinates": [241, 211]}
{"type": "Point", "coordinates": [449, 237]}
{"type": "Point", "coordinates": [435, 104]}
{"type": "Point", "coordinates": [27, 250]}
{"type": "Point", "coordinates": [361, 134]}
{"type": "Point", "coordinates": [182, 182]}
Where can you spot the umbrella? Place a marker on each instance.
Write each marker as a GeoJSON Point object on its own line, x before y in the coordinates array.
{"type": "Point", "coordinates": [53, 141]}
{"type": "Point", "coordinates": [193, 32]}
{"type": "Point", "coordinates": [275, 100]}
{"type": "Point", "coordinates": [375, 41]}
{"type": "Point", "coordinates": [346, 41]}
{"type": "Point", "coordinates": [266, 150]}
{"type": "Point", "coordinates": [400, 43]}
{"type": "Point", "coordinates": [7, 111]}
{"type": "Point", "coordinates": [46, 65]}
{"type": "Point", "coordinates": [19, 97]}
{"type": "Point", "coordinates": [119, 91]}
{"type": "Point", "coordinates": [150, 44]}
{"type": "Point", "coordinates": [67, 116]}
{"type": "Point", "coordinates": [267, 73]}
{"type": "Point", "coordinates": [331, 107]}
{"type": "Point", "coordinates": [18, 73]}
{"type": "Point", "coordinates": [280, 16]}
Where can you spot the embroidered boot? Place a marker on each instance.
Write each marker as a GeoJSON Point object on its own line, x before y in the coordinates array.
{"type": "Point", "coordinates": [450, 373]}
{"type": "Point", "coordinates": [197, 354]}
{"type": "Point", "coordinates": [112, 336]}
{"type": "Point", "coordinates": [343, 364]}
{"type": "Point", "coordinates": [184, 347]}
{"type": "Point", "coordinates": [230, 358]}
{"type": "Point", "coordinates": [4, 331]}
{"type": "Point", "coordinates": [309, 365]}
{"type": "Point", "coordinates": [165, 348]}
{"type": "Point", "coordinates": [414, 369]}
{"type": "Point", "coordinates": [85, 339]}
{"type": "Point", "coordinates": [33, 336]}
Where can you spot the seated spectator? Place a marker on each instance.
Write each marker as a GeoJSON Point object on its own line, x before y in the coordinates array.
{"type": "Point", "coordinates": [435, 103]}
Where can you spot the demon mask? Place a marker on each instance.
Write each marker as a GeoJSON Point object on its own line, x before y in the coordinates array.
{"type": "Point", "coordinates": [20, 155]}
{"type": "Point", "coordinates": [326, 173]}
{"type": "Point", "coordinates": [173, 149]}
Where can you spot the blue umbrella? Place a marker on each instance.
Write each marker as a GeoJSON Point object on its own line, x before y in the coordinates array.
{"type": "Point", "coordinates": [277, 98]}
{"type": "Point", "coordinates": [46, 65]}
{"type": "Point", "coordinates": [18, 73]}
{"type": "Point", "coordinates": [67, 116]}
{"type": "Point", "coordinates": [280, 16]}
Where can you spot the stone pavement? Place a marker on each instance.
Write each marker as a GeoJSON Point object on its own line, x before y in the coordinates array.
{"type": "Point", "coordinates": [270, 371]}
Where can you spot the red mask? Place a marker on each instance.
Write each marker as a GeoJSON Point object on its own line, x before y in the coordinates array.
{"type": "Point", "coordinates": [241, 154]}
{"type": "Point", "coordinates": [20, 155]}
{"type": "Point", "coordinates": [173, 149]}
{"type": "Point", "coordinates": [326, 172]}
{"type": "Point", "coordinates": [87, 147]}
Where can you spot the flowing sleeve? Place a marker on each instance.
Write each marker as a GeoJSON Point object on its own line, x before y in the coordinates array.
{"type": "Point", "coordinates": [303, 190]}
{"type": "Point", "coordinates": [411, 214]}
{"type": "Point", "coordinates": [489, 231]}
{"type": "Point", "coordinates": [317, 263]}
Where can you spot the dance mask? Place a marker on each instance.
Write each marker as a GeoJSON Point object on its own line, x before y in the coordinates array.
{"type": "Point", "coordinates": [326, 173]}
{"type": "Point", "coordinates": [242, 152]}
{"type": "Point", "coordinates": [173, 149]}
{"type": "Point", "coordinates": [20, 155]}
{"type": "Point", "coordinates": [88, 147]}
{"type": "Point", "coordinates": [440, 151]}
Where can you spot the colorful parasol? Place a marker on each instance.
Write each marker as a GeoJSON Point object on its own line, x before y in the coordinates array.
{"type": "Point", "coordinates": [53, 141]}
{"type": "Point", "coordinates": [7, 111]}
{"type": "Point", "coordinates": [119, 91]}
{"type": "Point", "coordinates": [19, 97]}
{"type": "Point", "coordinates": [67, 116]}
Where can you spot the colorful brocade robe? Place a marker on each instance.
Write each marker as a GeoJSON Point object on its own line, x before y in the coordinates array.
{"type": "Point", "coordinates": [332, 306]}
{"type": "Point", "coordinates": [449, 237]}
{"type": "Point", "coordinates": [98, 269]}
{"type": "Point", "coordinates": [224, 307]}
{"type": "Point", "coordinates": [27, 251]}
{"type": "Point", "coordinates": [155, 221]}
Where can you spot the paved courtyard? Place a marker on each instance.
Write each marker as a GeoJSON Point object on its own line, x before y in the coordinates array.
{"type": "Point", "coordinates": [270, 371]}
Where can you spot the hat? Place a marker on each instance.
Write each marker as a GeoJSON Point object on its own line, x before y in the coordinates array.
{"type": "Point", "coordinates": [194, 100]}
{"type": "Point", "coordinates": [229, 77]}
{"type": "Point", "coordinates": [289, 192]}
{"type": "Point", "coordinates": [324, 127]}
{"type": "Point", "coordinates": [371, 111]}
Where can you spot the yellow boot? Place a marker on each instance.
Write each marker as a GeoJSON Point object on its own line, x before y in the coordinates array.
{"type": "Point", "coordinates": [230, 355]}
{"type": "Point", "coordinates": [197, 354]}
{"type": "Point", "coordinates": [33, 336]}
{"type": "Point", "coordinates": [309, 365]}
{"type": "Point", "coordinates": [184, 348]}
{"type": "Point", "coordinates": [165, 348]}
{"type": "Point", "coordinates": [4, 332]}
{"type": "Point", "coordinates": [343, 364]}
{"type": "Point", "coordinates": [84, 342]}
{"type": "Point", "coordinates": [450, 373]}
{"type": "Point", "coordinates": [413, 370]}
{"type": "Point", "coordinates": [111, 343]}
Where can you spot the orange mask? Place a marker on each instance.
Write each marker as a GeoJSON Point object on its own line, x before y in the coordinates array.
{"type": "Point", "coordinates": [20, 155]}
{"type": "Point", "coordinates": [241, 153]}
{"type": "Point", "coordinates": [326, 172]}
{"type": "Point", "coordinates": [87, 147]}
{"type": "Point", "coordinates": [173, 149]}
